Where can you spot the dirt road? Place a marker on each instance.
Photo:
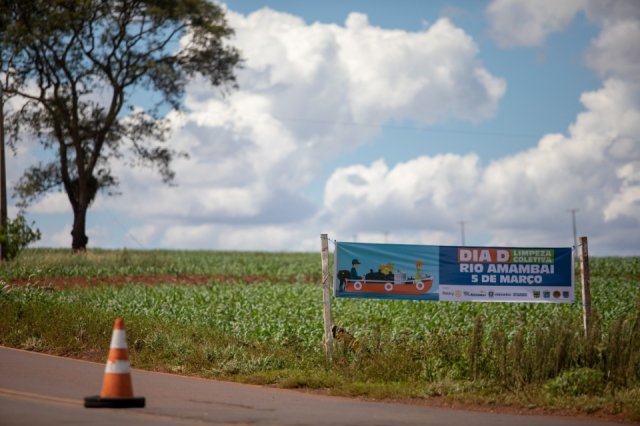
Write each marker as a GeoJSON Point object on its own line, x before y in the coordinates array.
{"type": "Point", "coordinates": [37, 389]}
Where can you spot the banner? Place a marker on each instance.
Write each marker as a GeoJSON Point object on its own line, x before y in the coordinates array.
{"type": "Point", "coordinates": [455, 274]}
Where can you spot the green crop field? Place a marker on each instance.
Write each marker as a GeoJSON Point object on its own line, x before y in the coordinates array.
{"type": "Point", "coordinates": [257, 317]}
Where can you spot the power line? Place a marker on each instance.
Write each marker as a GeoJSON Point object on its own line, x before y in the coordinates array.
{"type": "Point", "coordinates": [405, 127]}
{"type": "Point", "coordinates": [127, 233]}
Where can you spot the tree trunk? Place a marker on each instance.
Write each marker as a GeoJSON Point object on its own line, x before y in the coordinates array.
{"type": "Point", "coordinates": [79, 239]}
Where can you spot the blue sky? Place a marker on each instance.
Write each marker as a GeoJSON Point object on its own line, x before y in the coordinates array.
{"type": "Point", "coordinates": [395, 121]}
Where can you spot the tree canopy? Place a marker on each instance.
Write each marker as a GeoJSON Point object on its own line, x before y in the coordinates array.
{"type": "Point", "coordinates": [74, 64]}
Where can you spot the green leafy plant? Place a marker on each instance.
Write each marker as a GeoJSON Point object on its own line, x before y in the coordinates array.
{"type": "Point", "coordinates": [257, 317]}
{"type": "Point", "coordinates": [17, 236]}
{"type": "Point", "coordinates": [576, 382]}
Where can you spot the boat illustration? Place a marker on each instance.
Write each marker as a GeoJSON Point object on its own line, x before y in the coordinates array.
{"type": "Point", "coordinates": [388, 286]}
{"type": "Point", "coordinates": [384, 281]}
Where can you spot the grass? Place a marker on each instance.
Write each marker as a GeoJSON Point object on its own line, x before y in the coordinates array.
{"type": "Point", "coordinates": [39, 264]}
{"type": "Point", "coordinates": [270, 331]}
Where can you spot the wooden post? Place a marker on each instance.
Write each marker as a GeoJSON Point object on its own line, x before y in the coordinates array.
{"type": "Point", "coordinates": [3, 182]}
{"type": "Point", "coordinates": [586, 289]}
{"type": "Point", "coordinates": [326, 295]}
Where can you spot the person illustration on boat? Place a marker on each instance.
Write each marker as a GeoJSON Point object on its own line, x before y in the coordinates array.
{"type": "Point", "coordinates": [346, 274]}
{"type": "Point", "coordinates": [419, 265]}
{"type": "Point", "coordinates": [353, 274]}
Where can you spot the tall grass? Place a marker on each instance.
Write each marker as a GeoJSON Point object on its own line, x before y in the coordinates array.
{"type": "Point", "coordinates": [270, 331]}
{"type": "Point", "coordinates": [239, 266]}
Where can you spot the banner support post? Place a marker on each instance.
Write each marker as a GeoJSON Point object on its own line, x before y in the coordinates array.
{"type": "Point", "coordinates": [586, 286]}
{"type": "Point", "coordinates": [326, 295]}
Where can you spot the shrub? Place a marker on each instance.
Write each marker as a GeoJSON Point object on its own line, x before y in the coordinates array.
{"type": "Point", "coordinates": [17, 236]}
{"type": "Point", "coordinates": [576, 382]}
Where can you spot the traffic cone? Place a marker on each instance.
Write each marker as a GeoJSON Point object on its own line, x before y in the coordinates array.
{"type": "Point", "coordinates": [117, 391]}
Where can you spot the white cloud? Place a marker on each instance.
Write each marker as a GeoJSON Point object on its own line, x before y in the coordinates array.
{"type": "Point", "coordinates": [418, 194]}
{"type": "Point", "coordinates": [308, 93]}
{"type": "Point", "coordinates": [52, 203]}
{"type": "Point", "coordinates": [17, 162]}
{"type": "Point", "coordinates": [524, 199]}
{"type": "Point", "coordinates": [57, 237]}
{"type": "Point", "coordinates": [144, 234]}
{"type": "Point", "coordinates": [583, 169]}
{"type": "Point", "coordinates": [528, 23]}
{"type": "Point", "coordinates": [254, 237]}
{"type": "Point", "coordinates": [615, 51]}
{"type": "Point", "coordinates": [605, 12]}
{"type": "Point", "coordinates": [594, 167]}
{"type": "Point", "coordinates": [427, 76]}
{"type": "Point", "coordinates": [626, 202]}
{"type": "Point", "coordinates": [520, 199]}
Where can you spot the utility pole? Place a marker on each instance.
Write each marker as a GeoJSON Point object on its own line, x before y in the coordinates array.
{"type": "Point", "coordinates": [573, 220]}
{"type": "Point", "coordinates": [3, 180]}
{"type": "Point", "coordinates": [462, 232]}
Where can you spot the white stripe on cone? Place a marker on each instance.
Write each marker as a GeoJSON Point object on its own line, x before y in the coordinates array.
{"type": "Point", "coordinates": [117, 367]}
{"type": "Point", "coordinates": [119, 339]}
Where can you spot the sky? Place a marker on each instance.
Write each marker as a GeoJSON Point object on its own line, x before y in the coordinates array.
{"type": "Point", "coordinates": [400, 122]}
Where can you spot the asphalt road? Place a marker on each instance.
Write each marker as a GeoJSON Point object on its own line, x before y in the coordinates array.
{"type": "Point", "coordinates": [37, 389]}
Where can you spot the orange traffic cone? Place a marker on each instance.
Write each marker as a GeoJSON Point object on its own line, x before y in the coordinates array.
{"type": "Point", "coordinates": [117, 391]}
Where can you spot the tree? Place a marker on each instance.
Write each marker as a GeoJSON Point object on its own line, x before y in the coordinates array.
{"type": "Point", "coordinates": [75, 63]}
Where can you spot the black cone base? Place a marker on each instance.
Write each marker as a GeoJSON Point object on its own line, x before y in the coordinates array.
{"type": "Point", "coordinates": [98, 402]}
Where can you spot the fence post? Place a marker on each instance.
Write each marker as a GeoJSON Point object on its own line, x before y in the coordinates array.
{"type": "Point", "coordinates": [326, 295]}
{"type": "Point", "coordinates": [586, 287]}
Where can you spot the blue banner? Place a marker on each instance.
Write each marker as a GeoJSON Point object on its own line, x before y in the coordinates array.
{"type": "Point", "coordinates": [451, 273]}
